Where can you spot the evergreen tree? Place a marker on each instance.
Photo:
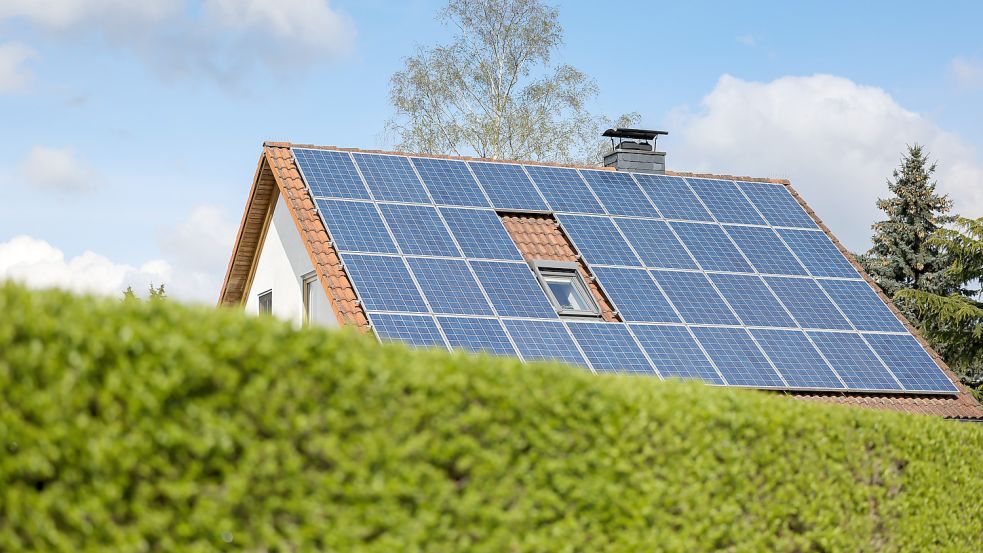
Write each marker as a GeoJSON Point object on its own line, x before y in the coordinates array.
{"type": "Point", "coordinates": [903, 255]}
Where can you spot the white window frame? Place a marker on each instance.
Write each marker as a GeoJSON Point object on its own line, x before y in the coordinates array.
{"type": "Point", "coordinates": [264, 304]}
{"type": "Point", "coordinates": [308, 284]}
{"type": "Point", "coordinates": [549, 268]}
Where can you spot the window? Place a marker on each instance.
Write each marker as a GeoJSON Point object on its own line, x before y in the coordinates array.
{"type": "Point", "coordinates": [565, 288]}
{"type": "Point", "coordinates": [266, 303]}
{"type": "Point", "coordinates": [310, 288]}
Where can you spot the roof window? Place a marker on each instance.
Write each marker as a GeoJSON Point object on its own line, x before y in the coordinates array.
{"type": "Point", "coordinates": [565, 288]}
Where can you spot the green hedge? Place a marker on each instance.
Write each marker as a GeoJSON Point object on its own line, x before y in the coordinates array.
{"type": "Point", "coordinates": [149, 426]}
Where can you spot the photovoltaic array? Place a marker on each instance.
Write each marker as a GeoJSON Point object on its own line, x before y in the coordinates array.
{"type": "Point", "coordinates": [732, 283]}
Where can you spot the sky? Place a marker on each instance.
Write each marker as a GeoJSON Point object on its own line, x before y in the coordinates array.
{"type": "Point", "coordinates": [131, 130]}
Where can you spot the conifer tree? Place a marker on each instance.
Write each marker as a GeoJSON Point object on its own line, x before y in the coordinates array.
{"type": "Point", "coordinates": [903, 255]}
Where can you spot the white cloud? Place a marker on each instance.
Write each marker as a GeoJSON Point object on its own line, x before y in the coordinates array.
{"type": "Point", "coordinates": [38, 264]}
{"type": "Point", "coordinates": [967, 73]}
{"type": "Point", "coordinates": [57, 169]}
{"type": "Point", "coordinates": [199, 248]}
{"type": "Point", "coordinates": [13, 75]}
{"type": "Point", "coordinates": [220, 39]}
{"type": "Point", "coordinates": [747, 40]}
{"type": "Point", "coordinates": [836, 140]}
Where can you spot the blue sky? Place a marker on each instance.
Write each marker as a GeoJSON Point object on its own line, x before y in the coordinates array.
{"type": "Point", "coordinates": [132, 129]}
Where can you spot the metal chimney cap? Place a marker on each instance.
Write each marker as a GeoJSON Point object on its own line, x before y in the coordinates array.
{"type": "Point", "coordinates": [638, 134]}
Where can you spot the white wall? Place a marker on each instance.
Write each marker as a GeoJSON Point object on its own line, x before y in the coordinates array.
{"type": "Point", "coordinates": [283, 263]}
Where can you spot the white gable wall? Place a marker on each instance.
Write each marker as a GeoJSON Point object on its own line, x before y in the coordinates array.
{"type": "Point", "coordinates": [282, 265]}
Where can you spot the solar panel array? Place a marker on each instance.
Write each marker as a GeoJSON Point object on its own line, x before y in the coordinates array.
{"type": "Point", "coordinates": [732, 283]}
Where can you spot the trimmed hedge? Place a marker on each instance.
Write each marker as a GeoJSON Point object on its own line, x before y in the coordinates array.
{"type": "Point", "coordinates": [150, 426]}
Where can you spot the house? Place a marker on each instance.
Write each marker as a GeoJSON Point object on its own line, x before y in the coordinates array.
{"type": "Point", "coordinates": [626, 268]}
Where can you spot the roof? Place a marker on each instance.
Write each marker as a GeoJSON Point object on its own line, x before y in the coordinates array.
{"type": "Point", "coordinates": [277, 175]}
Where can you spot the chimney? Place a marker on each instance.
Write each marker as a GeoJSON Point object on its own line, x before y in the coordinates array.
{"type": "Point", "coordinates": [635, 151]}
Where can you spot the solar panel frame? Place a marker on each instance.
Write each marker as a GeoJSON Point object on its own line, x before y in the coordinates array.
{"type": "Point", "coordinates": [449, 286]}
{"type": "Point", "coordinates": [391, 178]}
{"type": "Point", "coordinates": [711, 247]}
{"type": "Point", "coordinates": [695, 297]}
{"type": "Point", "coordinates": [797, 359]}
{"type": "Point", "coordinates": [910, 363]}
{"type": "Point", "coordinates": [450, 182]}
{"type": "Point", "coordinates": [419, 230]}
{"type": "Point", "coordinates": [655, 243]}
{"type": "Point", "coordinates": [513, 290]}
{"type": "Point", "coordinates": [598, 240]}
{"type": "Point", "coordinates": [564, 189]}
{"type": "Point", "coordinates": [767, 252]}
{"type": "Point", "coordinates": [635, 295]}
{"type": "Point", "coordinates": [340, 217]}
{"type": "Point", "coordinates": [752, 300]}
{"type": "Point", "coordinates": [738, 357]}
{"type": "Point", "coordinates": [477, 334]}
{"type": "Point", "coordinates": [818, 254]}
{"type": "Point", "coordinates": [508, 186]}
{"type": "Point", "coordinates": [330, 174]}
{"type": "Point", "coordinates": [673, 198]}
{"type": "Point", "coordinates": [611, 348]}
{"type": "Point", "coordinates": [619, 193]}
{"type": "Point", "coordinates": [676, 353]}
{"type": "Point", "coordinates": [416, 330]}
{"type": "Point", "coordinates": [398, 292]}
{"type": "Point", "coordinates": [776, 203]}
{"type": "Point", "coordinates": [862, 306]}
{"type": "Point", "coordinates": [480, 234]}
{"type": "Point", "coordinates": [808, 303]}
{"type": "Point", "coordinates": [855, 362]}
{"type": "Point", "coordinates": [725, 201]}
{"type": "Point", "coordinates": [539, 340]}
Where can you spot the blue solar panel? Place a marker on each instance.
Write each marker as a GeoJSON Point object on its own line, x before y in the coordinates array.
{"type": "Point", "coordinates": [655, 243]}
{"type": "Point", "coordinates": [910, 363]}
{"type": "Point", "coordinates": [854, 361]}
{"type": "Point", "coordinates": [796, 358]}
{"type": "Point", "coordinates": [752, 300]}
{"type": "Point", "coordinates": [391, 178]}
{"type": "Point", "coordinates": [610, 348]}
{"type": "Point", "coordinates": [725, 201]}
{"type": "Point", "coordinates": [598, 240]}
{"type": "Point", "coordinates": [419, 230]}
{"type": "Point", "coordinates": [862, 306]}
{"type": "Point", "coordinates": [564, 189]}
{"type": "Point", "coordinates": [450, 182]}
{"type": "Point", "coordinates": [776, 203]}
{"type": "Point", "coordinates": [673, 197]}
{"type": "Point", "coordinates": [330, 174]}
{"type": "Point", "coordinates": [383, 283]}
{"type": "Point", "coordinates": [619, 193]}
{"type": "Point", "coordinates": [695, 298]}
{"type": "Point", "coordinates": [480, 234]}
{"type": "Point", "coordinates": [818, 253]}
{"type": "Point", "coordinates": [767, 252]}
{"type": "Point", "coordinates": [513, 289]}
{"type": "Point", "coordinates": [675, 353]}
{"type": "Point", "coordinates": [474, 334]}
{"type": "Point", "coordinates": [807, 303]}
{"type": "Point", "coordinates": [737, 358]}
{"type": "Point", "coordinates": [449, 286]}
{"type": "Point", "coordinates": [416, 330]}
{"type": "Point", "coordinates": [508, 186]}
{"type": "Point", "coordinates": [712, 248]}
{"type": "Point", "coordinates": [355, 226]}
{"type": "Point", "coordinates": [635, 295]}
{"type": "Point", "coordinates": [539, 340]}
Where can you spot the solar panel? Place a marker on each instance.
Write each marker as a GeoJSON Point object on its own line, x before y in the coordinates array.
{"type": "Point", "coordinates": [910, 363]}
{"type": "Point", "coordinates": [449, 286]}
{"type": "Point", "coordinates": [474, 334]}
{"type": "Point", "coordinates": [330, 174]}
{"type": "Point", "coordinates": [543, 340]}
{"type": "Point", "coordinates": [391, 178]}
{"type": "Point", "coordinates": [737, 357]}
{"type": "Point", "coordinates": [635, 295]}
{"type": "Point", "coordinates": [818, 253]}
{"type": "Point", "coordinates": [711, 247]}
{"type": "Point", "coordinates": [854, 361]}
{"type": "Point", "coordinates": [725, 201]}
{"type": "Point", "coordinates": [355, 226]}
{"type": "Point", "coordinates": [513, 289]}
{"type": "Point", "coordinates": [508, 186]}
{"type": "Point", "coordinates": [480, 234]}
{"type": "Point", "coordinates": [694, 298]}
{"type": "Point", "coordinates": [383, 283]}
{"type": "Point", "coordinates": [862, 306]}
{"type": "Point", "coordinates": [807, 303]}
{"type": "Point", "coordinates": [619, 193]}
{"type": "Point", "coordinates": [776, 203]}
{"type": "Point", "coordinates": [449, 182]}
{"type": "Point", "coordinates": [765, 250]}
{"type": "Point", "coordinates": [655, 243]}
{"type": "Point", "coordinates": [751, 300]}
{"type": "Point", "coordinates": [675, 353]}
{"type": "Point", "coordinates": [610, 348]}
{"type": "Point", "coordinates": [416, 330]}
{"type": "Point", "coordinates": [673, 197]}
{"type": "Point", "coordinates": [598, 240]}
{"type": "Point", "coordinates": [795, 357]}
{"type": "Point", "coordinates": [564, 189]}
{"type": "Point", "coordinates": [419, 230]}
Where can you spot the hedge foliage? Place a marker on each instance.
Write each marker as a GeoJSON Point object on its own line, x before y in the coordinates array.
{"type": "Point", "coordinates": [149, 426]}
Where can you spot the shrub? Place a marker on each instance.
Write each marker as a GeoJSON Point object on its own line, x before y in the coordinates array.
{"type": "Point", "coordinates": [150, 426]}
